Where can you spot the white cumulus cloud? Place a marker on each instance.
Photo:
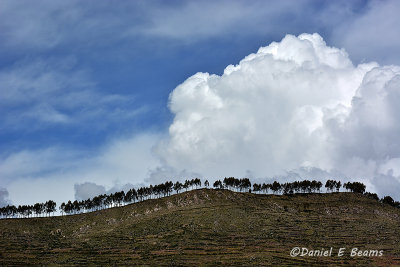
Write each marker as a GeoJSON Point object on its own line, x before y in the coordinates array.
{"type": "Point", "coordinates": [294, 104]}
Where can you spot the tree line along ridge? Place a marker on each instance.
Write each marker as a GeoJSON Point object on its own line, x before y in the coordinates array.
{"type": "Point", "coordinates": [165, 189]}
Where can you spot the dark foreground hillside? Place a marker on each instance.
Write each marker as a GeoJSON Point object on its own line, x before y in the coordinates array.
{"type": "Point", "coordinates": [210, 227]}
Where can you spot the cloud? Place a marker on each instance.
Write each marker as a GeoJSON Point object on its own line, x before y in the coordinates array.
{"type": "Point", "coordinates": [193, 21]}
{"type": "Point", "coordinates": [372, 33]}
{"type": "Point", "coordinates": [122, 187]}
{"type": "Point", "coordinates": [264, 114]}
{"type": "Point", "coordinates": [359, 26]}
{"type": "Point", "coordinates": [37, 163]}
{"type": "Point", "coordinates": [49, 24]}
{"type": "Point", "coordinates": [370, 131]}
{"type": "Point", "coordinates": [3, 197]}
{"type": "Point", "coordinates": [40, 93]}
{"type": "Point", "coordinates": [295, 108]}
{"type": "Point", "coordinates": [46, 25]}
{"type": "Point", "coordinates": [294, 104]}
{"type": "Point", "coordinates": [162, 173]}
{"type": "Point", "coordinates": [88, 190]}
{"type": "Point", "coordinates": [42, 31]}
{"type": "Point", "coordinates": [63, 173]}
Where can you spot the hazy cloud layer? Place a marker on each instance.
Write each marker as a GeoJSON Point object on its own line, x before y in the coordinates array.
{"type": "Point", "coordinates": [49, 24]}
{"type": "Point", "coordinates": [3, 197]}
{"type": "Point", "coordinates": [294, 104]}
{"type": "Point", "coordinates": [37, 94]}
{"type": "Point", "coordinates": [88, 190]}
{"type": "Point", "coordinates": [360, 26]}
{"type": "Point", "coordinates": [52, 173]}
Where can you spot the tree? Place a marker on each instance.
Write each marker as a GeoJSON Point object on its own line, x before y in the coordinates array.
{"type": "Point", "coordinates": [97, 202]}
{"type": "Point", "coordinates": [197, 182]}
{"type": "Point", "coordinates": [371, 195]}
{"type": "Point", "coordinates": [338, 185]}
{"type": "Point", "coordinates": [62, 208]}
{"type": "Point", "coordinates": [8, 211]}
{"type": "Point", "coordinates": [109, 200]}
{"type": "Point", "coordinates": [50, 206]}
{"type": "Point", "coordinates": [178, 187]}
{"type": "Point", "coordinates": [206, 184]}
{"type": "Point", "coordinates": [388, 200]}
{"type": "Point", "coordinates": [76, 207]}
{"type": "Point", "coordinates": [329, 185]}
{"type": "Point", "coordinates": [168, 187]}
{"type": "Point", "coordinates": [186, 185]}
{"type": "Point", "coordinates": [265, 188]}
{"type": "Point", "coordinates": [355, 187]}
{"type": "Point", "coordinates": [318, 186]}
{"type": "Point", "coordinates": [287, 188]}
{"type": "Point", "coordinates": [69, 207]}
{"type": "Point", "coordinates": [130, 196]}
{"type": "Point", "coordinates": [25, 210]}
{"type": "Point", "coordinates": [276, 187]}
{"type": "Point", "coordinates": [244, 184]}
{"type": "Point", "coordinates": [38, 208]}
{"type": "Point", "coordinates": [118, 197]}
{"type": "Point", "coordinates": [218, 184]}
{"type": "Point", "coordinates": [256, 188]}
{"type": "Point", "coordinates": [229, 182]}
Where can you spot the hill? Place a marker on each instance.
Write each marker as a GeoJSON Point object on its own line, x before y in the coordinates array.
{"type": "Point", "coordinates": [211, 227]}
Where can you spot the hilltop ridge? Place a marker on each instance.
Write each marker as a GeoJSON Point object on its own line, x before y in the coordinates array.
{"type": "Point", "coordinates": [209, 227]}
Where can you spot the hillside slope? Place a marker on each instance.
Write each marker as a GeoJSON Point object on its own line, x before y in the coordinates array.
{"type": "Point", "coordinates": [210, 227]}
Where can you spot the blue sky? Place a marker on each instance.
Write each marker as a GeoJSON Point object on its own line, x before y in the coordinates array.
{"type": "Point", "coordinates": [80, 79]}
